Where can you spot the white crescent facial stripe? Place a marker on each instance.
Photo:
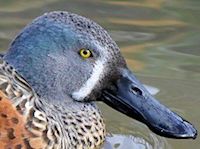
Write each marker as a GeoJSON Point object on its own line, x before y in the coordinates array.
{"type": "Point", "coordinates": [88, 86]}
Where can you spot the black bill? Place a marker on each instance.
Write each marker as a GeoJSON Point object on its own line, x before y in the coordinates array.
{"type": "Point", "coordinates": [132, 99]}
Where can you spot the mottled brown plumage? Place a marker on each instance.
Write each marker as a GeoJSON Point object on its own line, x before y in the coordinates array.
{"type": "Point", "coordinates": [13, 133]}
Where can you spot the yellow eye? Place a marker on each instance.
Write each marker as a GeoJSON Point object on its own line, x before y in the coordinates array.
{"type": "Point", "coordinates": [85, 53]}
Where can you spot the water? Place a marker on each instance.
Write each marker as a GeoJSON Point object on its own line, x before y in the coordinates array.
{"type": "Point", "coordinates": [160, 41]}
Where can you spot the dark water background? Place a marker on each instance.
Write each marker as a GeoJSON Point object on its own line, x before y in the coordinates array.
{"type": "Point", "coordinates": [160, 40]}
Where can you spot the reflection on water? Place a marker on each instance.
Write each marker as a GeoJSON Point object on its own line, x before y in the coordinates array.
{"type": "Point", "coordinates": [128, 142]}
{"type": "Point", "coordinates": [160, 40]}
{"type": "Point", "coordinates": [156, 4]}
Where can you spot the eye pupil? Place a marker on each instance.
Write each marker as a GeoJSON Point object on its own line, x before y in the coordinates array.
{"type": "Point", "coordinates": [85, 52]}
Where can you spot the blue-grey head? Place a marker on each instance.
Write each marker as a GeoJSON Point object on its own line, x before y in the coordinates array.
{"type": "Point", "coordinates": [69, 57]}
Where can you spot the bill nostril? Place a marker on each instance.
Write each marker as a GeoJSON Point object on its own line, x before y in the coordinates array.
{"type": "Point", "coordinates": [135, 90]}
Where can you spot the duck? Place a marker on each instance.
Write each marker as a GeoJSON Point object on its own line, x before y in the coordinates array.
{"type": "Point", "coordinates": [52, 75]}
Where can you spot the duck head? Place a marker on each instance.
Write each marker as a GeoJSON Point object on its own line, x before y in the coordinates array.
{"type": "Point", "coordinates": [64, 56]}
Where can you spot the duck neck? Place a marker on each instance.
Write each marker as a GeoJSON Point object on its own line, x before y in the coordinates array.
{"type": "Point", "coordinates": [67, 124]}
